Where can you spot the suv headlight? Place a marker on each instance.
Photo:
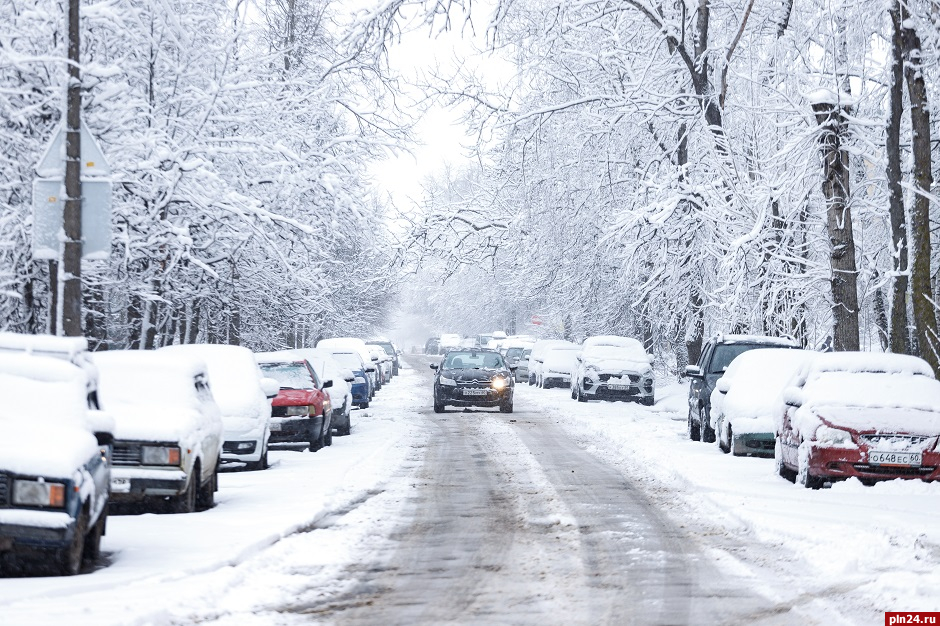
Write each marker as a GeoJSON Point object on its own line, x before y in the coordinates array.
{"type": "Point", "coordinates": [303, 409]}
{"type": "Point", "coordinates": [160, 455]}
{"type": "Point", "coordinates": [38, 493]}
{"type": "Point", "coordinates": [827, 434]}
{"type": "Point", "coordinates": [450, 382]}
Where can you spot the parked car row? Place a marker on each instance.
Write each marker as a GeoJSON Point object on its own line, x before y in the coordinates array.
{"type": "Point", "coordinates": [150, 430]}
{"type": "Point", "coordinates": [603, 367]}
{"type": "Point", "coordinates": [822, 417]}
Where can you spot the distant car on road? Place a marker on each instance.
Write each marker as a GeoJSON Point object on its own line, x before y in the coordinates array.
{"type": "Point", "coordinates": [168, 430]}
{"type": "Point", "coordinates": [866, 415]}
{"type": "Point", "coordinates": [473, 377]}
{"type": "Point", "coordinates": [717, 354]}
{"type": "Point", "coordinates": [390, 350]}
{"type": "Point", "coordinates": [534, 366]}
{"type": "Point", "coordinates": [558, 363]}
{"type": "Point", "coordinates": [746, 398]}
{"type": "Point", "coordinates": [55, 466]}
{"type": "Point", "coordinates": [518, 357]}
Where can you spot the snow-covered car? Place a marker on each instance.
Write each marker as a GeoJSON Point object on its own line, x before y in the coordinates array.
{"type": "Point", "coordinates": [383, 363]}
{"type": "Point", "coordinates": [55, 466]}
{"type": "Point", "coordinates": [244, 398]}
{"type": "Point", "coordinates": [866, 415]}
{"type": "Point", "coordinates": [746, 398]}
{"type": "Point", "coordinates": [449, 341]}
{"type": "Point", "coordinates": [621, 372]}
{"type": "Point", "coordinates": [71, 349]}
{"type": "Point", "coordinates": [717, 354]}
{"type": "Point", "coordinates": [346, 344]}
{"type": "Point", "coordinates": [558, 363]}
{"type": "Point", "coordinates": [534, 366]}
{"type": "Point", "coordinates": [360, 387]}
{"type": "Point", "coordinates": [301, 412]}
{"type": "Point", "coordinates": [342, 378]}
{"type": "Point", "coordinates": [390, 350]}
{"type": "Point", "coordinates": [167, 429]}
{"type": "Point", "coordinates": [473, 377]}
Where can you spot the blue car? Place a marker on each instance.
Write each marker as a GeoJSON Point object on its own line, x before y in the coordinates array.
{"type": "Point", "coordinates": [55, 471]}
{"type": "Point", "coordinates": [362, 391]}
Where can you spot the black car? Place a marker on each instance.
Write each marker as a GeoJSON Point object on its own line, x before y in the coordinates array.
{"type": "Point", "coordinates": [473, 377]}
{"type": "Point", "coordinates": [717, 354]}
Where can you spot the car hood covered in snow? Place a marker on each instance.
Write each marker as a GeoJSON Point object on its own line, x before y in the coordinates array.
{"type": "Point", "coordinates": [134, 422]}
{"type": "Point", "coordinates": [50, 450]}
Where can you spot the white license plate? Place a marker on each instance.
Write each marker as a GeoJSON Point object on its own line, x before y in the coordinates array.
{"type": "Point", "coordinates": [907, 459]}
{"type": "Point", "coordinates": [619, 387]}
{"type": "Point", "coordinates": [275, 426]}
{"type": "Point", "coordinates": [121, 485]}
{"type": "Point", "coordinates": [474, 392]}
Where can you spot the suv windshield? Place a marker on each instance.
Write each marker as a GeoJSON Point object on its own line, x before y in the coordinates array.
{"type": "Point", "coordinates": [289, 375]}
{"type": "Point", "coordinates": [724, 354]}
{"type": "Point", "coordinates": [473, 360]}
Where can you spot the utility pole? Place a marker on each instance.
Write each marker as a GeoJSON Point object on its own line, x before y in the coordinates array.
{"type": "Point", "coordinates": [69, 309]}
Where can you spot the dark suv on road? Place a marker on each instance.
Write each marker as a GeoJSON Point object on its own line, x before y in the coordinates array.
{"type": "Point", "coordinates": [717, 354]}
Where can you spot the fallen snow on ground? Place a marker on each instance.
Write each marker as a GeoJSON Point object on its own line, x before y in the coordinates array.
{"type": "Point", "coordinates": [866, 549]}
{"type": "Point", "coordinates": [163, 569]}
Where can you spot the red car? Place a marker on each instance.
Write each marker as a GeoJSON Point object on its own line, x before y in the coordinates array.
{"type": "Point", "coordinates": [870, 416]}
{"type": "Point", "coordinates": [301, 411]}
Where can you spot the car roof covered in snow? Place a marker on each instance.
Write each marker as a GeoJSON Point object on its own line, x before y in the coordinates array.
{"type": "Point", "coordinates": [48, 345]}
{"type": "Point", "coordinates": [873, 362]}
{"type": "Point", "coordinates": [761, 339]}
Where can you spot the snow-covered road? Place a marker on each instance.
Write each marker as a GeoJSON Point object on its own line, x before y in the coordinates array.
{"type": "Point", "coordinates": [559, 513]}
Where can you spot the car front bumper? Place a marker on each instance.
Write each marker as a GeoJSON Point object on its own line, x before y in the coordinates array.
{"type": "Point", "coordinates": [456, 396]}
{"type": "Point", "coordinates": [134, 484]}
{"type": "Point", "coordinates": [603, 391]}
{"type": "Point", "coordinates": [295, 429]}
{"type": "Point", "coordinates": [554, 379]}
{"type": "Point", "coordinates": [23, 528]}
{"type": "Point", "coordinates": [837, 463]}
{"type": "Point", "coordinates": [754, 444]}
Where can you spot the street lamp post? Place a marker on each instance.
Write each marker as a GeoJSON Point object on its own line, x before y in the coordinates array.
{"type": "Point", "coordinates": [69, 309]}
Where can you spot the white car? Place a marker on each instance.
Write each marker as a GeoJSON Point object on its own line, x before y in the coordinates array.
{"type": "Point", "coordinates": [384, 362]}
{"type": "Point", "coordinates": [449, 341]}
{"type": "Point", "coordinates": [614, 372]}
{"type": "Point", "coordinates": [328, 368]}
{"type": "Point", "coordinates": [558, 363]}
{"type": "Point", "coordinates": [745, 399]}
{"type": "Point", "coordinates": [535, 357]}
{"type": "Point", "coordinates": [168, 429]}
{"type": "Point", "coordinates": [344, 344]}
{"type": "Point", "coordinates": [54, 464]}
{"type": "Point", "coordinates": [244, 397]}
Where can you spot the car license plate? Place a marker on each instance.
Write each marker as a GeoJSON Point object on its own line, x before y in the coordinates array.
{"type": "Point", "coordinates": [474, 392]}
{"type": "Point", "coordinates": [275, 426]}
{"type": "Point", "coordinates": [618, 387]}
{"type": "Point", "coordinates": [907, 459]}
{"type": "Point", "coordinates": [121, 485]}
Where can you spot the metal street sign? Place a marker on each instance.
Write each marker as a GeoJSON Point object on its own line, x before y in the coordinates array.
{"type": "Point", "coordinates": [48, 204]}
{"type": "Point", "coordinates": [52, 163]}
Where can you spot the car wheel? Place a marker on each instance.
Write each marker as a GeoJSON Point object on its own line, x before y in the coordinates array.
{"type": "Point", "coordinates": [92, 547]}
{"type": "Point", "coordinates": [70, 558]}
{"type": "Point", "coordinates": [782, 470]}
{"type": "Point", "coordinates": [186, 501]}
{"type": "Point", "coordinates": [348, 427]}
{"type": "Point", "coordinates": [722, 445]}
{"type": "Point", "coordinates": [581, 396]}
{"type": "Point", "coordinates": [205, 498]}
{"type": "Point", "coordinates": [505, 407]}
{"type": "Point", "coordinates": [261, 463]}
{"type": "Point", "coordinates": [693, 428]}
{"type": "Point", "coordinates": [707, 433]}
{"type": "Point", "coordinates": [328, 435]}
{"type": "Point", "coordinates": [574, 393]}
{"type": "Point", "coordinates": [363, 405]}
{"type": "Point", "coordinates": [531, 379]}
{"type": "Point", "coordinates": [647, 401]}
{"type": "Point", "coordinates": [803, 475]}
{"type": "Point", "coordinates": [438, 406]}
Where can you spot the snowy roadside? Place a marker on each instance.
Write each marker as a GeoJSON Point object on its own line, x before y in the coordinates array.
{"type": "Point", "coordinates": [157, 563]}
{"type": "Point", "coordinates": [868, 549]}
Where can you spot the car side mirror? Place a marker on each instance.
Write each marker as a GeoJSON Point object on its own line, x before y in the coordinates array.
{"type": "Point", "coordinates": [370, 369]}
{"type": "Point", "coordinates": [375, 359]}
{"type": "Point", "coordinates": [350, 379]}
{"type": "Point", "coordinates": [513, 368]}
{"type": "Point", "coordinates": [722, 385]}
{"type": "Point", "coordinates": [693, 371]}
{"type": "Point", "coordinates": [270, 387]}
{"type": "Point", "coordinates": [793, 396]}
{"type": "Point", "coordinates": [434, 366]}
{"type": "Point", "coordinates": [104, 437]}
{"type": "Point", "coordinates": [328, 384]}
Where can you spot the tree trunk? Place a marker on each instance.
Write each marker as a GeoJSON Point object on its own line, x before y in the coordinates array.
{"type": "Point", "coordinates": [898, 335]}
{"type": "Point", "coordinates": [839, 226]}
{"type": "Point", "coordinates": [925, 317]}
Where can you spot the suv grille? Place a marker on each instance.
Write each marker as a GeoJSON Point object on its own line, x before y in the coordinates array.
{"type": "Point", "coordinates": [4, 490]}
{"type": "Point", "coordinates": [125, 453]}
